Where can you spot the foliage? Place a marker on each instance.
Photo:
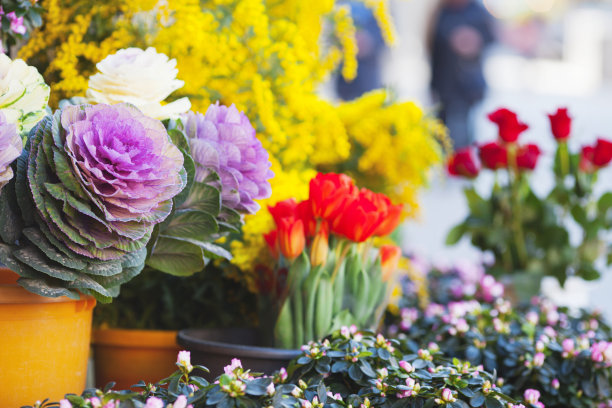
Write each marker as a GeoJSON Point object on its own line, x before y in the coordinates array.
{"type": "Point", "coordinates": [529, 235]}
{"type": "Point", "coordinates": [566, 356]}
{"type": "Point", "coordinates": [348, 370]}
{"type": "Point", "coordinates": [268, 58]}
{"type": "Point", "coordinates": [159, 301]}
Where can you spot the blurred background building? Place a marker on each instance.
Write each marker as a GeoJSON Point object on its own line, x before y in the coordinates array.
{"type": "Point", "coordinates": [548, 54]}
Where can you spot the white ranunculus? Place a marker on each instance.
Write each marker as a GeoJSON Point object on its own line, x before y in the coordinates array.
{"type": "Point", "coordinates": [143, 78]}
{"type": "Point", "coordinates": [23, 93]}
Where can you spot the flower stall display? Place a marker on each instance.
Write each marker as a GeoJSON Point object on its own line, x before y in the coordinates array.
{"type": "Point", "coordinates": [268, 58]}
{"type": "Point", "coordinates": [528, 234]}
{"type": "Point", "coordinates": [562, 357]}
{"type": "Point", "coordinates": [350, 369]}
{"type": "Point", "coordinates": [328, 271]}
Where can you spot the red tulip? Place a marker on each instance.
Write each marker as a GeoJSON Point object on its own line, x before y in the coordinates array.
{"type": "Point", "coordinates": [359, 220]}
{"type": "Point", "coordinates": [508, 124]}
{"type": "Point", "coordinates": [304, 212]}
{"type": "Point", "coordinates": [597, 156]}
{"type": "Point", "coordinates": [560, 124]}
{"type": "Point", "coordinates": [463, 163]}
{"type": "Point", "coordinates": [291, 237]}
{"type": "Point", "coordinates": [390, 214]}
{"type": "Point", "coordinates": [527, 156]}
{"type": "Point", "coordinates": [283, 209]}
{"type": "Point", "coordinates": [329, 194]}
{"type": "Point", "coordinates": [389, 259]}
{"type": "Point", "coordinates": [494, 155]}
{"type": "Point", "coordinates": [272, 241]}
{"type": "Point", "coordinates": [320, 245]}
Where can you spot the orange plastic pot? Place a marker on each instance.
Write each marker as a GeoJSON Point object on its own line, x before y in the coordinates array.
{"type": "Point", "coordinates": [128, 356]}
{"type": "Point", "coordinates": [44, 344]}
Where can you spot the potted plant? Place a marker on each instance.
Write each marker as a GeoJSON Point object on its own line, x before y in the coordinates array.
{"type": "Point", "coordinates": [349, 369]}
{"type": "Point", "coordinates": [328, 273]}
{"type": "Point", "coordinates": [527, 233]}
{"type": "Point", "coordinates": [88, 189]}
{"type": "Point", "coordinates": [227, 170]}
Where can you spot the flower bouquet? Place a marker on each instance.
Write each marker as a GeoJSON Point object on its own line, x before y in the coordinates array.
{"type": "Point", "coordinates": [328, 272]}
{"type": "Point", "coordinates": [528, 234]}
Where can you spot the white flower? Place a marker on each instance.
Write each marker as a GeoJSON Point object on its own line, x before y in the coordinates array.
{"type": "Point", "coordinates": [65, 404]}
{"type": "Point", "coordinates": [10, 149]}
{"type": "Point", "coordinates": [23, 93]}
{"type": "Point", "coordinates": [154, 402]}
{"type": "Point", "coordinates": [181, 402]}
{"type": "Point", "coordinates": [143, 78]}
{"type": "Point", "coordinates": [184, 360]}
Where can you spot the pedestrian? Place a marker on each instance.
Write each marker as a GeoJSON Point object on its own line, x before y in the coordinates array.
{"type": "Point", "coordinates": [460, 32]}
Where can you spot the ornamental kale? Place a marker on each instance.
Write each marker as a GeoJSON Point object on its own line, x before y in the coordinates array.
{"type": "Point", "coordinates": [90, 185]}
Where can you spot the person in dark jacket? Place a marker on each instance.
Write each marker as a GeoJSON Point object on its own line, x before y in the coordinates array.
{"type": "Point", "coordinates": [370, 45]}
{"type": "Point", "coordinates": [461, 30]}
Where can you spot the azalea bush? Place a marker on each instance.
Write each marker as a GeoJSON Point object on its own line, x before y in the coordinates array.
{"type": "Point", "coordinates": [328, 272]}
{"type": "Point", "coordinates": [350, 369]}
{"type": "Point", "coordinates": [566, 356]}
{"type": "Point", "coordinates": [528, 234]}
{"type": "Point", "coordinates": [18, 19]}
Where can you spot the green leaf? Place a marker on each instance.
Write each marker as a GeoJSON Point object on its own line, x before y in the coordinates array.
{"type": "Point", "coordinates": [134, 258]}
{"type": "Point", "coordinates": [108, 268]}
{"type": "Point", "coordinates": [43, 288]}
{"type": "Point", "coordinates": [579, 214]}
{"type": "Point", "coordinates": [176, 257]}
{"type": "Point", "coordinates": [85, 282]}
{"type": "Point", "coordinates": [37, 238]}
{"type": "Point", "coordinates": [189, 166]}
{"type": "Point", "coordinates": [204, 198]}
{"type": "Point", "coordinates": [114, 281]}
{"type": "Point", "coordinates": [455, 234]}
{"type": "Point", "coordinates": [210, 250]}
{"type": "Point", "coordinates": [10, 219]}
{"type": "Point", "coordinates": [605, 202]}
{"type": "Point", "coordinates": [35, 259]}
{"type": "Point", "coordinates": [491, 402]}
{"type": "Point", "coordinates": [193, 224]}
{"type": "Point", "coordinates": [179, 139]}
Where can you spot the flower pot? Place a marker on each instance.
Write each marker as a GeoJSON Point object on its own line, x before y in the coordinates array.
{"type": "Point", "coordinates": [128, 356]}
{"type": "Point", "coordinates": [44, 344]}
{"type": "Point", "coordinates": [215, 348]}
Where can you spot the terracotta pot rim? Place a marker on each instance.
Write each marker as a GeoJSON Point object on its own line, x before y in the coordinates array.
{"type": "Point", "coordinates": [13, 293]}
{"type": "Point", "coordinates": [134, 338]}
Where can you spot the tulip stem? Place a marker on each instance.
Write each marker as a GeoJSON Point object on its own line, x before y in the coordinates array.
{"type": "Point", "coordinates": [342, 253]}
{"type": "Point", "coordinates": [515, 178]}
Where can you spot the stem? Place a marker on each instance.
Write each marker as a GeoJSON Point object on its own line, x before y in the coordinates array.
{"type": "Point", "coordinates": [515, 178]}
{"type": "Point", "coordinates": [564, 159]}
{"type": "Point", "coordinates": [342, 252]}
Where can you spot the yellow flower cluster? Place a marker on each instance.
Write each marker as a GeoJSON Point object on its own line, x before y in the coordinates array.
{"type": "Point", "coordinates": [396, 145]}
{"type": "Point", "coordinates": [268, 57]}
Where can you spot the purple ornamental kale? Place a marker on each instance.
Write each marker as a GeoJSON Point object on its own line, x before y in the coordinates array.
{"type": "Point", "coordinates": [10, 149]}
{"type": "Point", "coordinates": [224, 141]}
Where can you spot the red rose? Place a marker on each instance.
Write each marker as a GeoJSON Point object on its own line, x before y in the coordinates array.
{"type": "Point", "coordinates": [603, 153]}
{"type": "Point", "coordinates": [527, 156]}
{"type": "Point", "coordinates": [359, 219]}
{"type": "Point", "coordinates": [463, 163]}
{"type": "Point", "coordinates": [508, 124]}
{"type": "Point", "coordinates": [329, 193]}
{"type": "Point", "coordinates": [560, 124]}
{"type": "Point", "coordinates": [594, 157]}
{"type": "Point", "coordinates": [493, 155]}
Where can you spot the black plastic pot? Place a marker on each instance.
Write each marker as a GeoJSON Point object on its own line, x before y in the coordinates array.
{"type": "Point", "coordinates": [215, 348]}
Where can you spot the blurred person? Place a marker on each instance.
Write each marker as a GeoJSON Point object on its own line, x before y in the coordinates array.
{"type": "Point", "coordinates": [459, 33]}
{"type": "Point", "coordinates": [370, 45]}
